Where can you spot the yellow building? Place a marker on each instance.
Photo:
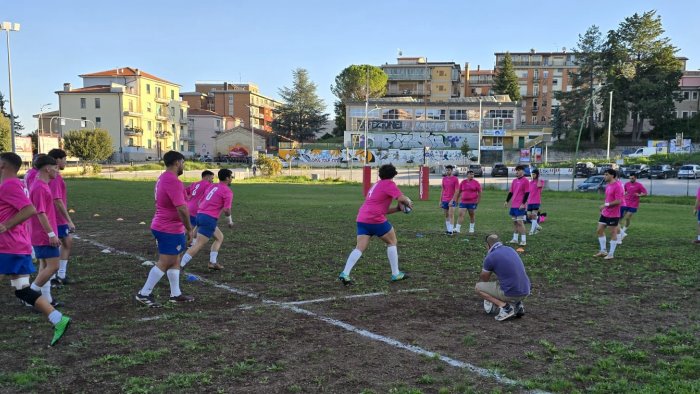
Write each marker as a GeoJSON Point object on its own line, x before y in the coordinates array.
{"type": "Point", "coordinates": [416, 77]}
{"type": "Point", "coordinates": [142, 113]}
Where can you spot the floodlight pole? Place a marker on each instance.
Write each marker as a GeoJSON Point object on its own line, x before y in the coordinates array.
{"type": "Point", "coordinates": [8, 27]}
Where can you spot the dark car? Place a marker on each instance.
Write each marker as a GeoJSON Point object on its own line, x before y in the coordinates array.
{"type": "Point", "coordinates": [499, 169]}
{"type": "Point", "coordinates": [641, 170]}
{"type": "Point", "coordinates": [662, 171]}
{"type": "Point", "coordinates": [477, 168]}
{"type": "Point", "coordinates": [584, 169]}
{"type": "Point", "coordinates": [600, 169]}
{"type": "Point", "coordinates": [596, 183]}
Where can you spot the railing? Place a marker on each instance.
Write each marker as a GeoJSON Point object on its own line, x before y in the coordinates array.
{"type": "Point", "coordinates": [183, 120]}
{"type": "Point", "coordinates": [161, 117]}
{"type": "Point", "coordinates": [162, 100]}
{"type": "Point", "coordinates": [162, 134]}
{"type": "Point", "coordinates": [128, 130]}
{"type": "Point", "coordinates": [132, 113]}
{"type": "Point", "coordinates": [397, 92]}
{"type": "Point", "coordinates": [530, 143]}
{"type": "Point", "coordinates": [535, 109]}
{"type": "Point", "coordinates": [184, 137]}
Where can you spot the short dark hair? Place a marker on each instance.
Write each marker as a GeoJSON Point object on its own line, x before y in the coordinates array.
{"type": "Point", "coordinates": [387, 171]}
{"type": "Point", "coordinates": [519, 167]}
{"type": "Point", "coordinates": [224, 174]}
{"type": "Point", "coordinates": [44, 161]}
{"type": "Point", "coordinates": [12, 159]}
{"type": "Point", "coordinates": [535, 172]}
{"type": "Point", "coordinates": [449, 167]}
{"type": "Point", "coordinates": [470, 172]}
{"type": "Point", "coordinates": [57, 153]}
{"type": "Point", "coordinates": [170, 157]}
{"type": "Point", "coordinates": [634, 174]}
{"type": "Point", "coordinates": [207, 173]}
{"type": "Point", "coordinates": [36, 158]}
{"type": "Point", "coordinates": [611, 172]}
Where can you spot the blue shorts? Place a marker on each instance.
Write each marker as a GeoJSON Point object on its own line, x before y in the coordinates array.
{"type": "Point", "coordinates": [533, 207]}
{"type": "Point", "coordinates": [206, 225]}
{"type": "Point", "coordinates": [193, 221]}
{"type": "Point", "coordinates": [624, 210]}
{"type": "Point", "coordinates": [46, 251]}
{"type": "Point", "coordinates": [170, 244]}
{"type": "Point", "coordinates": [63, 231]}
{"type": "Point", "coordinates": [467, 205]}
{"type": "Point", "coordinates": [517, 212]}
{"type": "Point", "coordinates": [16, 264]}
{"type": "Point", "coordinates": [378, 229]}
{"type": "Point", "coordinates": [447, 204]}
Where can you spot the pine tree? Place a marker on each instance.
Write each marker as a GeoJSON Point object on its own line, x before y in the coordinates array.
{"type": "Point", "coordinates": [301, 114]}
{"type": "Point", "coordinates": [505, 81]}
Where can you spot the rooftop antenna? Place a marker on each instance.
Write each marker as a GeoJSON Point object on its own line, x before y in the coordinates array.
{"type": "Point", "coordinates": [400, 52]}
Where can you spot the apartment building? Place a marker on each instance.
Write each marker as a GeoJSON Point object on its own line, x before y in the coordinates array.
{"type": "Point", "coordinates": [243, 101]}
{"type": "Point", "coordinates": [202, 127]}
{"type": "Point", "coordinates": [540, 74]}
{"type": "Point", "coordinates": [690, 92]}
{"type": "Point", "coordinates": [477, 82]}
{"type": "Point", "coordinates": [142, 113]}
{"type": "Point", "coordinates": [417, 78]}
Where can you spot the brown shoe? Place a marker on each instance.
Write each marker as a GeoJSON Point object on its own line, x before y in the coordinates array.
{"type": "Point", "coordinates": [216, 267]}
{"type": "Point", "coordinates": [600, 254]}
{"type": "Point", "coordinates": [181, 298]}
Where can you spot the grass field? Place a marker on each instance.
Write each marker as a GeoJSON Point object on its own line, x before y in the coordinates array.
{"type": "Point", "coordinates": [627, 325]}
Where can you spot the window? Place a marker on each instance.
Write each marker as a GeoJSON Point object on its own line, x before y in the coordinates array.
{"type": "Point", "coordinates": [131, 106]}
{"type": "Point", "coordinates": [441, 88]}
{"type": "Point", "coordinates": [545, 74]}
{"type": "Point", "coordinates": [534, 104]}
{"type": "Point", "coordinates": [695, 95]}
{"type": "Point", "coordinates": [149, 144]}
{"type": "Point", "coordinates": [97, 103]}
{"type": "Point", "coordinates": [172, 94]}
{"type": "Point", "coordinates": [148, 107]}
{"type": "Point", "coordinates": [172, 111]}
{"type": "Point", "coordinates": [692, 113]}
{"type": "Point", "coordinates": [500, 113]}
{"type": "Point", "coordinates": [555, 81]}
{"type": "Point", "coordinates": [498, 123]}
{"type": "Point", "coordinates": [686, 95]}
{"type": "Point", "coordinates": [98, 121]}
{"type": "Point", "coordinates": [131, 141]}
{"type": "Point", "coordinates": [543, 119]}
{"type": "Point", "coordinates": [458, 114]}
{"type": "Point", "coordinates": [150, 125]}
{"type": "Point", "coordinates": [173, 129]}
{"type": "Point", "coordinates": [83, 102]}
{"type": "Point", "coordinates": [148, 90]}
{"type": "Point", "coordinates": [685, 114]}
{"type": "Point", "coordinates": [158, 91]}
{"type": "Point", "coordinates": [534, 119]}
{"type": "Point", "coordinates": [544, 103]}
{"type": "Point", "coordinates": [218, 123]}
{"type": "Point", "coordinates": [131, 123]}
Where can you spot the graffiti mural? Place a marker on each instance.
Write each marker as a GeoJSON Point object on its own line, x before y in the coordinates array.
{"type": "Point", "coordinates": [380, 156]}
{"type": "Point", "coordinates": [410, 140]}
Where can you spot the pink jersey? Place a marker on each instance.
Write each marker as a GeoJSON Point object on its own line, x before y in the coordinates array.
{"type": "Point", "coordinates": [170, 194]}
{"type": "Point", "coordinates": [449, 186]}
{"type": "Point", "coordinates": [519, 187]}
{"type": "Point", "coordinates": [631, 190]}
{"type": "Point", "coordinates": [42, 198]}
{"type": "Point", "coordinates": [196, 192]}
{"type": "Point", "coordinates": [614, 191]}
{"type": "Point", "coordinates": [377, 202]}
{"type": "Point", "coordinates": [470, 190]}
{"type": "Point", "coordinates": [13, 197]}
{"type": "Point", "coordinates": [218, 197]}
{"type": "Point", "coordinates": [30, 176]}
{"type": "Point", "coordinates": [535, 196]}
{"type": "Point", "coordinates": [58, 189]}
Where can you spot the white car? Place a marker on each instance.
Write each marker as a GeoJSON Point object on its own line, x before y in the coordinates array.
{"type": "Point", "coordinates": [689, 171]}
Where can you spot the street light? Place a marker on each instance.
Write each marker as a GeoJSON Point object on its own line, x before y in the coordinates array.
{"type": "Point", "coordinates": [478, 154]}
{"type": "Point", "coordinates": [63, 119]}
{"type": "Point", "coordinates": [8, 27]}
{"type": "Point", "coordinates": [41, 112]}
{"type": "Point", "coordinates": [609, 124]}
{"type": "Point", "coordinates": [252, 133]}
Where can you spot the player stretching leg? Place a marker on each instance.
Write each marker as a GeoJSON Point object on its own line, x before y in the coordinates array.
{"type": "Point", "coordinates": [194, 193]}
{"type": "Point", "coordinates": [63, 219]}
{"type": "Point", "coordinates": [630, 205]}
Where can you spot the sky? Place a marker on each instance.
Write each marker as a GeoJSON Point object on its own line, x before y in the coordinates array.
{"type": "Point", "coordinates": [263, 42]}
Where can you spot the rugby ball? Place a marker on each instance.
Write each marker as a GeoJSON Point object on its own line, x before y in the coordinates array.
{"type": "Point", "coordinates": [489, 307]}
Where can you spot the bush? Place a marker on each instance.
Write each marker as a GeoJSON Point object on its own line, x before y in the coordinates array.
{"type": "Point", "coordinates": [269, 166]}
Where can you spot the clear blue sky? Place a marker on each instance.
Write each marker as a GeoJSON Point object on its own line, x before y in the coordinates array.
{"type": "Point", "coordinates": [263, 41]}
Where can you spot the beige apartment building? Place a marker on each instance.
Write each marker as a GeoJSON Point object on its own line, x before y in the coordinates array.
{"type": "Point", "coordinates": [142, 113]}
{"type": "Point", "coordinates": [416, 77]}
{"type": "Point", "coordinates": [477, 82]}
{"type": "Point", "coordinates": [242, 101]}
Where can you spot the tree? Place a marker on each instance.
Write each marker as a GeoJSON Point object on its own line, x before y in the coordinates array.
{"type": "Point", "coordinates": [590, 71]}
{"type": "Point", "coordinates": [505, 81]}
{"type": "Point", "coordinates": [18, 124]}
{"type": "Point", "coordinates": [301, 114]}
{"type": "Point", "coordinates": [90, 145]}
{"type": "Point", "coordinates": [465, 149]}
{"type": "Point", "coordinates": [557, 122]}
{"type": "Point", "coordinates": [5, 143]}
{"type": "Point", "coordinates": [642, 70]}
{"type": "Point", "coordinates": [351, 84]}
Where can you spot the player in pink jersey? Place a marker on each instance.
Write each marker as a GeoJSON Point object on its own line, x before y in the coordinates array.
{"type": "Point", "coordinates": [534, 200]}
{"type": "Point", "coordinates": [171, 228]}
{"type": "Point", "coordinates": [63, 219]}
{"type": "Point", "coordinates": [15, 242]}
{"type": "Point", "coordinates": [195, 192]}
{"type": "Point", "coordinates": [630, 204]}
{"type": "Point", "coordinates": [517, 197]}
{"type": "Point", "coordinates": [371, 221]}
{"type": "Point", "coordinates": [30, 176]}
{"type": "Point", "coordinates": [697, 213]}
{"type": "Point", "coordinates": [216, 199]}
{"type": "Point", "coordinates": [468, 194]}
{"type": "Point", "coordinates": [450, 184]}
{"type": "Point", "coordinates": [44, 228]}
{"type": "Point", "coordinates": [610, 213]}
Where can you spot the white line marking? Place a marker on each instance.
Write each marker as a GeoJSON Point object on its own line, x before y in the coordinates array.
{"type": "Point", "coordinates": [380, 293]}
{"type": "Point", "coordinates": [151, 318]}
{"type": "Point", "coordinates": [483, 372]}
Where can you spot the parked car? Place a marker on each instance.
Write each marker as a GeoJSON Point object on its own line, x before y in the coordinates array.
{"type": "Point", "coordinates": [206, 159]}
{"type": "Point", "coordinates": [584, 169]}
{"type": "Point", "coordinates": [600, 169]}
{"type": "Point", "coordinates": [689, 171]}
{"type": "Point", "coordinates": [499, 169]}
{"type": "Point", "coordinates": [595, 183]}
{"type": "Point", "coordinates": [641, 170]}
{"type": "Point", "coordinates": [662, 171]}
{"type": "Point", "coordinates": [477, 168]}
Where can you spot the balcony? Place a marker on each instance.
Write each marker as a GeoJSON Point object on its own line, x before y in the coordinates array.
{"type": "Point", "coordinates": [132, 113]}
{"type": "Point", "coordinates": [162, 100]}
{"type": "Point", "coordinates": [405, 92]}
{"type": "Point", "coordinates": [183, 120]}
{"type": "Point", "coordinates": [184, 137]}
{"type": "Point", "coordinates": [162, 134]}
{"type": "Point", "coordinates": [161, 117]}
{"type": "Point", "coordinates": [130, 130]}
{"type": "Point", "coordinates": [535, 109]}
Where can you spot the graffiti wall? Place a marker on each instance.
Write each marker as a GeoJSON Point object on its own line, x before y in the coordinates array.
{"type": "Point", "coordinates": [383, 156]}
{"type": "Point", "coordinates": [409, 140]}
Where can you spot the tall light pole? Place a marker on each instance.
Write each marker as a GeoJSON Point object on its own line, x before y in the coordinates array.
{"type": "Point", "coordinates": [609, 124]}
{"type": "Point", "coordinates": [252, 133]}
{"type": "Point", "coordinates": [8, 27]}
{"type": "Point", "coordinates": [41, 112]}
{"type": "Point", "coordinates": [478, 153]}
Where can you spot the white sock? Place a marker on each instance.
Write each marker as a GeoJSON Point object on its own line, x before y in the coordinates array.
{"type": "Point", "coordinates": [522, 236]}
{"type": "Point", "coordinates": [62, 265]}
{"type": "Point", "coordinates": [623, 230]}
{"type": "Point", "coordinates": [613, 245]}
{"type": "Point", "coordinates": [393, 253]}
{"type": "Point", "coordinates": [601, 241]}
{"type": "Point", "coordinates": [185, 259]}
{"type": "Point", "coordinates": [471, 226]}
{"type": "Point", "coordinates": [534, 225]}
{"type": "Point", "coordinates": [46, 291]}
{"type": "Point", "coordinates": [174, 279]}
{"type": "Point", "coordinates": [352, 260]}
{"type": "Point", "coordinates": [515, 237]}
{"type": "Point", "coordinates": [35, 287]}
{"type": "Point", "coordinates": [213, 256]}
{"type": "Point", "coordinates": [458, 227]}
{"type": "Point", "coordinates": [153, 277]}
{"type": "Point", "coordinates": [619, 237]}
{"type": "Point", "coordinates": [698, 237]}
{"type": "Point", "coordinates": [55, 317]}
{"type": "Point", "coordinates": [449, 226]}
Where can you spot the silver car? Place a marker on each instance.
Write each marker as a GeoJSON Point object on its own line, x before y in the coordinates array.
{"type": "Point", "coordinates": [689, 171]}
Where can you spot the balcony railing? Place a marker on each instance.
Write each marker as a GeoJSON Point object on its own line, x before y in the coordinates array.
{"type": "Point", "coordinates": [535, 109]}
{"type": "Point", "coordinates": [185, 137]}
{"type": "Point", "coordinates": [161, 117]}
{"type": "Point", "coordinates": [162, 100]}
{"type": "Point", "coordinates": [183, 120]}
{"type": "Point", "coordinates": [132, 113]}
{"type": "Point", "coordinates": [405, 92]}
{"type": "Point", "coordinates": [129, 130]}
{"type": "Point", "coordinates": [162, 134]}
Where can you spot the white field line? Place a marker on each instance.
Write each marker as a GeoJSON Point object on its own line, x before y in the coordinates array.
{"type": "Point", "coordinates": [349, 297]}
{"type": "Point", "coordinates": [483, 372]}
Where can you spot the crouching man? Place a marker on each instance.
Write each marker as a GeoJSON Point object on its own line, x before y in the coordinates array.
{"type": "Point", "coordinates": [512, 286]}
